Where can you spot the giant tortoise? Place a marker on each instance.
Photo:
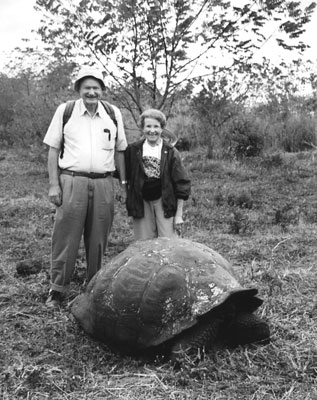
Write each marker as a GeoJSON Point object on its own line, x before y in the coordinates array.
{"type": "Point", "coordinates": [169, 293]}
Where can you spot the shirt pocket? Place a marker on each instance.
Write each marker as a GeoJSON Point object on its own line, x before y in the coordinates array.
{"type": "Point", "coordinates": [108, 140]}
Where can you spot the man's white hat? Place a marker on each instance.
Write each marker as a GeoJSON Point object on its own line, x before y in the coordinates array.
{"type": "Point", "coordinates": [86, 73]}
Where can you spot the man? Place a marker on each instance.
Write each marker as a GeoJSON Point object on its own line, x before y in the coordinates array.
{"type": "Point", "coordinates": [81, 162]}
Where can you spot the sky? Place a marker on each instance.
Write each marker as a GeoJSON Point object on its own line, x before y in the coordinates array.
{"type": "Point", "coordinates": [18, 18]}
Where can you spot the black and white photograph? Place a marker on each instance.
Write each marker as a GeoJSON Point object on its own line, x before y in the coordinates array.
{"type": "Point", "coordinates": [158, 203]}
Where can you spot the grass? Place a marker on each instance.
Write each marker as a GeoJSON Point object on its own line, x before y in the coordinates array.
{"type": "Point", "coordinates": [260, 214]}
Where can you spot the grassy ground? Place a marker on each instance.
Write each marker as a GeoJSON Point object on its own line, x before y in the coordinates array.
{"type": "Point", "coordinates": [260, 214]}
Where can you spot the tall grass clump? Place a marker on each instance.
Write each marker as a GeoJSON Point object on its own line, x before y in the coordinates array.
{"type": "Point", "coordinates": [297, 133]}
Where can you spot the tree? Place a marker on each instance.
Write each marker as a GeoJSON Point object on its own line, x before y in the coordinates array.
{"type": "Point", "coordinates": [6, 107]}
{"type": "Point", "coordinates": [264, 105]}
{"type": "Point", "coordinates": [29, 100]}
{"type": "Point", "coordinates": [152, 47]}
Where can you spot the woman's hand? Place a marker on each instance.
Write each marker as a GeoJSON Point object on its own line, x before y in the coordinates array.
{"type": "Point", "coordinates": [178, 224]}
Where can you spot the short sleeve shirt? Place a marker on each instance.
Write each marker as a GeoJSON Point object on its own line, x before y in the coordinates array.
{"type": "Point", "coordinates": [90, 141]}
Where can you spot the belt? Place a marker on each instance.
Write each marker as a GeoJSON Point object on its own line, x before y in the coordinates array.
{"type": "Point", "coordinates": [91, 175]}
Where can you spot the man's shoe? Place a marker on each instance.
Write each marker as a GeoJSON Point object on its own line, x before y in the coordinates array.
{"type": "Point", "coordinates": [54, 300]}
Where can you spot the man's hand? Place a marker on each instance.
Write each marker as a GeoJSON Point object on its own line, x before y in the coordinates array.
{"type": "Point", "coordinates": [122, 195]}
{"type": "Point", "coordinates": [55, 195]}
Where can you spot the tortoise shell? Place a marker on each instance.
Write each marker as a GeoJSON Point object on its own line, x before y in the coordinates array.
{"type": "Point", "coordinates": [154, 290]}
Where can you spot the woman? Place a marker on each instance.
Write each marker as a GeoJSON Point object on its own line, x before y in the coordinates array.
{"type": "Point", "coordinates": [157, 181]}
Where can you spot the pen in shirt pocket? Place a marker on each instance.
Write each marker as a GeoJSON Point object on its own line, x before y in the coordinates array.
{"type": "Point", "coordinates": [106, 130]}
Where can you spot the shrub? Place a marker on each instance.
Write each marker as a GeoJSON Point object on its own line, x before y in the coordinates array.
{"type": "Point", "coordinates": [285, 216]}
{"type": "Point", "coordinates": [219, 199]}
{"type": "Point", "coordinates": [242, 200]}
{"type": "Point", "coordinates": [244, 137]}
{"type": "Point", "coordinates": [248, 145]}
{"type": "Point", "coordinates": [183, 144]}
{"type": "Point", "coordinates": [272, 161]}
{"type": "Point", "coordinates": [298, 133]}
{"type": "Point", "coordinates": [239, 223]}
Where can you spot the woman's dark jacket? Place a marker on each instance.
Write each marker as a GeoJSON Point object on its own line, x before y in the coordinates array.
{"type": "Point", "coordinates": [174, 179]}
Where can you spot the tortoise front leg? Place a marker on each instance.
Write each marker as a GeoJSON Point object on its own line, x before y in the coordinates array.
{"type": "Point", "coordinates": [247, 328]}
{"type": "Point", "coordinates": [201, 336]}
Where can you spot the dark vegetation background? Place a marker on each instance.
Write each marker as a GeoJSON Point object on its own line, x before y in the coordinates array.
{"type": "Point", "coordinates": [282, 120]}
